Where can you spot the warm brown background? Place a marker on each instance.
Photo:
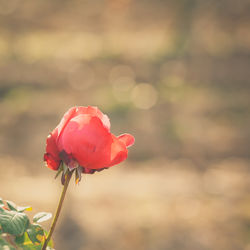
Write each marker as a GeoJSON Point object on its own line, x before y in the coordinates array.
{"type": "Point", "coordinates": [176, 75]}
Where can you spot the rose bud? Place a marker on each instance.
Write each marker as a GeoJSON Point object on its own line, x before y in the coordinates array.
{"type": "Point", "coordinates": [83, 141]}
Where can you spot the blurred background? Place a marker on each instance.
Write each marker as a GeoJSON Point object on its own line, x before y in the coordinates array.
{"type": "Point", "coordinates": [175, 74]}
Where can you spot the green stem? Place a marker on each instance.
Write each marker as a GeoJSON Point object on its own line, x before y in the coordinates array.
{"type": "Point", "coordinates": [58, 210]}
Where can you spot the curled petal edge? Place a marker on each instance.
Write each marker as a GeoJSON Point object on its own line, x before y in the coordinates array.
{"type": "Point", "coordinates": [51, 162]}
{"type": "Point", "coordinates": [127, 139]}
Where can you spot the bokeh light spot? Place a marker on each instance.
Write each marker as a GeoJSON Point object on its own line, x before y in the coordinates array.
{"type": "Point", "coordinates": [144, 96]}
{"type": "Point", "coordinates": [122, 88]}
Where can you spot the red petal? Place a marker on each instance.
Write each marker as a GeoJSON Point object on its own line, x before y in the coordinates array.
{"type": "Point", "coordinates": [66, 118]}
{"type": "Point", "coordinates": [52, 154]}
{"type": "Point", "coordinates": [51, 163]}
{"type": "Point", "coordinates": [119, 152]}
{"type": "Point", "coordinates": [94, 111]}
{"type": "Point", "coordinates": [75, 111]}
{"type": "Point", "coordinates": [127, 139]}
{"type": "Point", "coordinates": [90, 143]}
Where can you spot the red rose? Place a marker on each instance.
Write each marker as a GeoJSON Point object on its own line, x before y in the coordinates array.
{"type": "Point", "coordinates": [83, 138]}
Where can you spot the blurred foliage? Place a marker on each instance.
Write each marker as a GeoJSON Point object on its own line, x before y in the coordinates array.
{"type": "Point", "coordinates": [16, 230]}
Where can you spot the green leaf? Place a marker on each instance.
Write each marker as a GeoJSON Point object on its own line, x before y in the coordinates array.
{"type": "Point", "coordinates": [42, 216]}
{"type": "Point", "coordinates": [35, 233]}
{"type": "Point", "coordinates": [23, 240]}
{"type": "Point", "coordinates": [13, 222]}
{"type": "Point", "coordinates": [26, 243]}
{"type": "Point", "coordinates": [1, 203]}
{"type": "Point", "coordinates": [5, 245]}
{"type": "Point", "coordinates": [31, 246]}
{"type": "Point", "coordinates": [20, 239]}
{"type": "Point", "coordinates": [22, 209]}
{"type": "Point", "coordinates": [34, 247]}
{"type": "Point", "coordinates": [11, 205]}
